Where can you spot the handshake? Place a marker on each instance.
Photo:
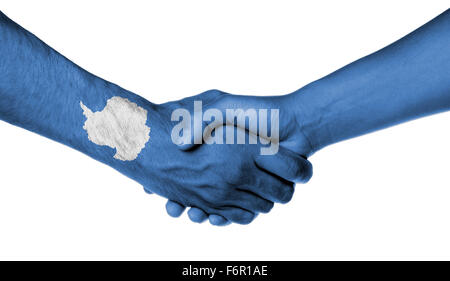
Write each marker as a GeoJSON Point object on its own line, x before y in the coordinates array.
{"type": "Point", "coordinates": [225, 157]}
{"type": "Point", "coordinates": [225, 166]}
{"type": "Point", "coordinates": [211, 152]}
{"type": "Point", "coordinates": [228, 168]}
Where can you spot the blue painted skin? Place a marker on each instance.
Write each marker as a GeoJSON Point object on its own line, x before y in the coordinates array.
{"type": "Point", "coordinates": [40, 91]}
{"type": "Point", "coordinates": [403, 81]}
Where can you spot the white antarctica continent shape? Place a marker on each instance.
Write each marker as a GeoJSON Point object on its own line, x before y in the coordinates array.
{"type": "Point", "coordinates": [120, 125]}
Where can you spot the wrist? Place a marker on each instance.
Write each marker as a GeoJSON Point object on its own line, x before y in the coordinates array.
{"type": "Point", "coordinates": [310, 114]}
{"type": "Point", "coordinates": [115, 123]}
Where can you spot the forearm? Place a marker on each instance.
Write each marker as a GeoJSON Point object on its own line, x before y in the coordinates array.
{"type": "Point", "coordinates": [40, 90]}
{"type": "Point", "coordinates": [408, 79]}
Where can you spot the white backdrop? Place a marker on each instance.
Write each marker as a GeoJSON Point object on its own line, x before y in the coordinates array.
{"type": "Point", "coordinates": [380, 196]}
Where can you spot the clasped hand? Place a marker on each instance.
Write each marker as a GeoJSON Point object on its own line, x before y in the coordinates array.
{"type": "Point", "coordinates": [223, 182]}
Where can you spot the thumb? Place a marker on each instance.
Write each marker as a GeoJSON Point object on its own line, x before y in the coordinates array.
{"type": "Point", "coordinates": [286, 164]}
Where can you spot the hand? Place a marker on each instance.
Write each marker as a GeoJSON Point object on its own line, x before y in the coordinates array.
{"type": "Point", "coordinates": [226, 183]}
{"type": "Point", "coordinates": [291, 118]}
{"type": "Point", "coordinates": [256, 180]}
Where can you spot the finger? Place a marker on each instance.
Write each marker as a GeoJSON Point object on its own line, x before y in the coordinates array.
{"type": "Point", "coordinates": [286, 164]}
{"type": "Point", "coordinates": [218, 220]}
{"type": "Point", "coordinates": [174, 209]}
{"type": "Point", "coordinates": [237, 215]}
{"type": "Point", "coordinates": [197, 215]}
{"type": "Point", "coordinates": [249, 201]}
{"type": "Point", "coordinates": [270, 187]}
